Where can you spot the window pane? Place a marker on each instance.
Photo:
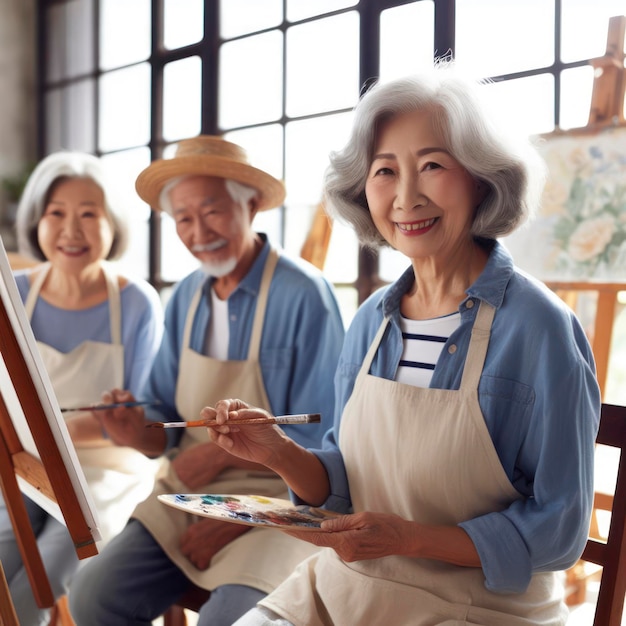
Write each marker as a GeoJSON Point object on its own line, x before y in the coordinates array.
{"type": "Point", "coordinates": [125, 108]}
{"type": "Point", "coordinates": [576, 88]}
{"type": "Point", "coordinates": [271, 223]}
{"type": "Point", "coordinates": [183, 23]}
{"type": "Point", "coordinates": [407, 39]}
{"type": "Point", "coordinates": [54, 120]}
{"type": "Point", "coordinates": [182, 99]}
{"type": "Point", "coordinates": [323, 65]}
{"type": "Point", "coordinates": [495, 37]}
{"type": "Point", "coordinates": [342, 260]}
{"type": "Point", "coordinates": [122, 168]}
{"type": "Point", "coordinates": [79, 132]}
{"type": "Point", "coordinates": [251, 80]}
{"type": "Point", "coordinates": [527, 102]}
{"type": "Point", "coordinates": [70, 40]}
{"type": "Point", "coordinates": [239, 17]}
{"type": "Point", "coordinates": [176, 260]}
{"type": "Point", "coordinates": [55, 57]}
{"type": "Point", "coordinates": [301, 9]}
{"type": "Point", "coordinates": [348, 299]}
{"type": "Point", "coordinates": [392, 264]}
{"type": "Point", "coordinates": [264, 147]}
{"type": "Point", "coordinates": [126, 22]}
{"type": "Point", "coordinates": [70, 118]}
{"type": "Point", "coordinates": [585, 27]}
{"type": "Point", "coordinates": [308, 144]}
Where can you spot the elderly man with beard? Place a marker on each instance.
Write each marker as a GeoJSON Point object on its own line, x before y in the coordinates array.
{"type": "Point", "coordinates": [251, 322]}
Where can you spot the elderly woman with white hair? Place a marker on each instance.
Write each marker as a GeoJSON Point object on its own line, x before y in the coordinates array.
{"type": "Point", "coordinates": [466, 399]}
{"type": "Point", "coordinates": [95, 330]}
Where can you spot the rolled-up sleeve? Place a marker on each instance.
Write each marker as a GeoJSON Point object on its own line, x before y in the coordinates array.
{"type": "Point", "coordinates": [547, 529]}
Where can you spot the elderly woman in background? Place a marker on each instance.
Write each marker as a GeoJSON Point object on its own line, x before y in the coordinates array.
{"type": "Point", "coordinates": [95, 330]}
{"type": "Point", "coordinates": [466, 398]}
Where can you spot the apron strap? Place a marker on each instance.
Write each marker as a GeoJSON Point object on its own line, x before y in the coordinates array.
{"type": "Point", "coordinates": [477, 350]}
{"type": "Point", "coordinates": [369, 357]}
{"type": "Point", "coordinates": [259, 315]}
{"type": "Point", "coordinates": [35, 288]}
{"type": "Point", "coordinates": [193, 305]}
{"type": "Point", "coordinates": [476, 353]}
{"type": "Point", "coordinates": [113, 293]}
{"type": "Point", "coordinates": [115, 306]}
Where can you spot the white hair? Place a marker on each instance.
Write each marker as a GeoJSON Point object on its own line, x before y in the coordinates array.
{"type": "Point", "coordinates": [54, 168]}
{"type": "Point", "coordinates": [510, 167]}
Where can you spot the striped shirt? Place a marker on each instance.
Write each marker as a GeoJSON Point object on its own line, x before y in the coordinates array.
{"type": "Point", "coordinates": [422, 342]}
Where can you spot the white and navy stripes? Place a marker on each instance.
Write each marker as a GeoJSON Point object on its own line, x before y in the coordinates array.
{"type": "Point", "coordinates": [423, 341]}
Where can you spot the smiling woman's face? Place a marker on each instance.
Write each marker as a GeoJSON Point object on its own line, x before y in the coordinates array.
{"type": "Point", "coordinates": [421, 199]}
{"type": "Point", "coordinates": [75, 230]}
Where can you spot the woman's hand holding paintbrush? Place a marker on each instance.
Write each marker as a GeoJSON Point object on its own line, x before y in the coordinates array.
{"type": "Point", "coordinates": [125, 425]}
{"type": "Point", "coordinates": [264, 442]}
{"type": "Point", "coordinates": [301, 418]}
{"type": "Point", "coordinates": [247, 432]}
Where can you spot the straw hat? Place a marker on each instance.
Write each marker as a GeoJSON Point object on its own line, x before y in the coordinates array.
{"type": "Point", "coordinates": [209, 156]}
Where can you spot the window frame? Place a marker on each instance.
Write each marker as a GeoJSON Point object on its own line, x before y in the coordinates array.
{"type": "Point", "coordinates": [208, 50]}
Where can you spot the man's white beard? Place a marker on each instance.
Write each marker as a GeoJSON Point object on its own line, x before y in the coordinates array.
{"type": "Point", "coordinates": [218, 269]}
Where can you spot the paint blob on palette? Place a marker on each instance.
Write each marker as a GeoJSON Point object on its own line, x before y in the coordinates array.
{"type": "Point", "coordinates": [250, 510]}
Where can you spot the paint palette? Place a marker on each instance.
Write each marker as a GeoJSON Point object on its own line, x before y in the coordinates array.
{"type": "Point", "coordinates": [250, 510]}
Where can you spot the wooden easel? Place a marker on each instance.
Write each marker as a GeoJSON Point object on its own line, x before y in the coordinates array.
{"type": "Point", "coordinates": [606, 309]}
{"type": "Point", "coordinates": [607, 110]}
{"type": "Point", "coordinates": [607, 100]}
{"type": "Point", "coordinates": [315, 246]}
{"type": "Point", "coordinates": [48, 474]}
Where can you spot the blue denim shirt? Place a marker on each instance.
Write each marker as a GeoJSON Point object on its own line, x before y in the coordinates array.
{"type": "Point", "coordinates": [541, 403]}
{"type": "Point", "coordinates": [300, 344]}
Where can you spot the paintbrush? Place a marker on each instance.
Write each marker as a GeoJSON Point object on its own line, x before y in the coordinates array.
{"type": "Point", "coordinates": [304, 418]}
{"type": "Point", "coordinates": [113, 405]}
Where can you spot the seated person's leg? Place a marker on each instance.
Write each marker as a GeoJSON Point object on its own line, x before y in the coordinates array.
{"type": "Point", "coordinates": [10, 555]}
{"type": "Point", "coordinates": [60, 562]}
{"type": "Point", "coordinates": [132, 581]}
{"type": "Point", "coordinates": [227, 603]}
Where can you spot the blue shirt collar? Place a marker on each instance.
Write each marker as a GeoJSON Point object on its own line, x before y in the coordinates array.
{"type": "Point", "coordinates": [489, 286]}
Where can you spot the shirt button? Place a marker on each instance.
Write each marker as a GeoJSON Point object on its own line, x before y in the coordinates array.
{"type": "Point", "coordinates": [233, 318]}
{"type": "Point", "coordinates": [469, 304]}
{"type": "Point", "coordinates": [452, 349]}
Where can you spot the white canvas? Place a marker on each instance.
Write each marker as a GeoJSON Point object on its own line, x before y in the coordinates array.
{"type": "Point", "coordinates": [28, 345]}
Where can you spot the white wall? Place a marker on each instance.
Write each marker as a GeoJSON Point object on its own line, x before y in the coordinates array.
{"type": "Point", "coordinates": [17, 90]}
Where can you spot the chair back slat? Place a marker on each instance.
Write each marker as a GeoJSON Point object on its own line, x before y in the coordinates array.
{"type": "Point", "coordinates": [612, 555]}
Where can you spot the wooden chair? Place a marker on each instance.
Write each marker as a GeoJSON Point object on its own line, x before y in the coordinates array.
{"type": "Point", "coordinates": [610, 555]}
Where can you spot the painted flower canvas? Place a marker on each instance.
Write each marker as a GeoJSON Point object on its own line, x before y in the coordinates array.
{"type": "Point", "coordinates": [580, 231]}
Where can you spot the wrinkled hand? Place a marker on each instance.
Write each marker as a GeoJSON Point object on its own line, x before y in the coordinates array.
{"type": "Point", "coordinates": [256, 443]}
{"type": "Point", "coordinates": [125, 426]}
{"type": "Point", "coordinates": [200, 464]}
{"type": "Point", "coordinates": [361, 536]}
{"type": "Point", "coordinates": [202, 540]}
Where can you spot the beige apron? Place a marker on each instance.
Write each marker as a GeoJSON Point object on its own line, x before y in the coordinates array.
{"type": "Point", "coordinates": [424, 454]}
{"type": "Point", "coordinates": [118, 477]}
{"type": "Point", "coordinates": [260, 558]}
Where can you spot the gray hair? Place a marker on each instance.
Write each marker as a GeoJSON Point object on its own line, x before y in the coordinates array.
{"type": "Point", "coordinates": [52, 169]}
{"type": "Point", "coordinates": [511, 168]}
{"type": "Point", "coordinates": [239, 193]}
